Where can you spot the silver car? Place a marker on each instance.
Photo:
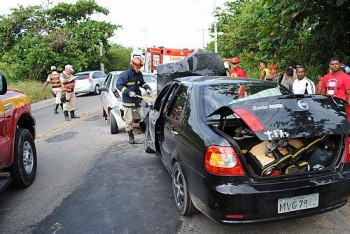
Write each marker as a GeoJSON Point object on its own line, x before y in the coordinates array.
{"type": "Point", "coordinates": [111, 100]}
{"type": "Point", "coordinates": [89, 81]}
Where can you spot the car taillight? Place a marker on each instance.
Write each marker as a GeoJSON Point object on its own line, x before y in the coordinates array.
{"type": "Point", "coordinates": [346, 156]}
{"type": "Point", "coordinates": [223, 160]}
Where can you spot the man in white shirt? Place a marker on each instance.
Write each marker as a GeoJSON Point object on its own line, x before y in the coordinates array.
{"type": "Point", "coordinates": [303, 85]}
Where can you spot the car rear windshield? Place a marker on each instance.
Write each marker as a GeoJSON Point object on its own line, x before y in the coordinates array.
{"type": "Point", "coordinates": [81, 76]}
{"type": "Point", "coordinates": [218, 95]}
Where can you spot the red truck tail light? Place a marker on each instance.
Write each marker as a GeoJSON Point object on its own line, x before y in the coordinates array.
{"type": "Point", "coordinates": [223, 160]}
{"type": "Point", "coordinates": [346, 156]}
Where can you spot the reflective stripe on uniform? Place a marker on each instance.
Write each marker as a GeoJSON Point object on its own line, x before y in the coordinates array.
{"type": "Point", "coordinates": [128, 104]}
{"type": "Point", "coordinates": [123, 89]}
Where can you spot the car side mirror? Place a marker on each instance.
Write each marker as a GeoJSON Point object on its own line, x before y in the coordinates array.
{"type": "Point", "coordinates": [3, 84]}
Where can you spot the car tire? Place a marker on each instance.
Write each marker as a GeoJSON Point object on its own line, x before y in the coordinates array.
{"type": "Point", "coordinates": [113, 125]}
{"type": "Point", "coordinates": [23, 169]}
{"type": "Point", "coordinates": [97, 92]}
{"type": "Point", "coordinates": [182, 196]}
{"type": "Point", "coordinates": [146, 146]}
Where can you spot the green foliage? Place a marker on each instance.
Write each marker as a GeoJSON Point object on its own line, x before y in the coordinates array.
{"type": "Point", "coordinates": [118, 58]}
{"type": "Point", "coordinates": [32, 89]}
{"type": "Point", "coordinates": [305, 31]}
{"type": "Point", "coordinates": [34, 38]}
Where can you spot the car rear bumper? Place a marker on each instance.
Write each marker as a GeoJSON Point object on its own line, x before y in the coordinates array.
{"type": "Point", "coordinates": [254, 203]}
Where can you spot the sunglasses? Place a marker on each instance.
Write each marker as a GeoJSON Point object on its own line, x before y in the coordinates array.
{"type": "Point", "coordinates": [234, 63]}
{"type": "Point", "coordinates": [300, 66]}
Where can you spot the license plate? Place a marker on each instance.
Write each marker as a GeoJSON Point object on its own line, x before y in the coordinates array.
{"type": "Point", "coordinates": [297, 203]}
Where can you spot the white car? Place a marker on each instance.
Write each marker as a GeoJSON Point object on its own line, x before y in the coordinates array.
{"type": "Point", "coordinates": [111, 100]}
{"type": "Point", "coordinates": [89, 81]}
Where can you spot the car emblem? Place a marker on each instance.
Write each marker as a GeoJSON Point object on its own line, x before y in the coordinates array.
{"type": "Point", "coordinates": [303, 104]}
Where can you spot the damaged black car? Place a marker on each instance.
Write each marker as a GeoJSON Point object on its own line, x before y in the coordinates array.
{"type": "Point", "coordinates": [245, 150]}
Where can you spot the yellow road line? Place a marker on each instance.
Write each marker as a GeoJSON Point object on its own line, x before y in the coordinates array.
{"type": "Point", "coordinates": [65, 124]}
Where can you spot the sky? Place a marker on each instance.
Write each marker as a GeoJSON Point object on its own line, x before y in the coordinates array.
{"type": "Point", "coordinates": [146, 23]}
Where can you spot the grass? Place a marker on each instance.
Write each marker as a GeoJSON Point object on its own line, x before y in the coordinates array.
{"type": "Point", "coordinates": [32, 89]}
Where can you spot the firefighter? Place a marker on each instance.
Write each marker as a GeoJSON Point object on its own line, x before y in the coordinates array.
{"type": "Point", "coordinates": [69, 99]}
{"type": "Point", "coordinates": [129, 84]}
{"type": "Point", "coordinates": [54, 79]}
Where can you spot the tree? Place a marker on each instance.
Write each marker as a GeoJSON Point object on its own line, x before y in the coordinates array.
{"type": "Point", "coordinates": [34, 38]}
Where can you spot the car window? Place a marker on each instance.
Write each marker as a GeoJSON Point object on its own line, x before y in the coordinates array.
{"type": "Point", "coordinates": [115, 79]}
{"type": "Point", "coordinates": [178, 103]}
{"type": "Point", "coordinates": [81, 76]}
{"type": "Point", "coordinates": [107, 81]}
{"type": "Point", "coordinates": [149, 78]}
{"type": "Point", "coordinates": [161, 98]}
{"type": "Point", "coordinates": [218, 95]}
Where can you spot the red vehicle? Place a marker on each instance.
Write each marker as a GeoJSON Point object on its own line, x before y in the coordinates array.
{"type": "Point", "coordinates": [153, 56]}
{"type": "Point", "coordinates": [18, 159]}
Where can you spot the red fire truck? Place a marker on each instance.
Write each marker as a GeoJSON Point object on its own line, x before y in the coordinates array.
{"type": "Point", "coordinates": [153, 56]}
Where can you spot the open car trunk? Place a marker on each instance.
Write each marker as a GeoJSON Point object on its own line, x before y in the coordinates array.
{"type": "Point", "coordinates": [286, 135]}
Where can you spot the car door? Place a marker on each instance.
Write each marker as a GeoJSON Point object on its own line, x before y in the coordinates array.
{"type": "Point", "coordinates": [104, 94]}
{"type": "Point", "coordinates": [4, 137]}
{"type": "Point", "coordinates": [173, 115]}
{"type": "Point", "coordinates": [155, 122]}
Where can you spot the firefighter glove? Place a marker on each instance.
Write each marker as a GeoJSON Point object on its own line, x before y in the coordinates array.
{"type": "Point", "coordinates": [132, 94]}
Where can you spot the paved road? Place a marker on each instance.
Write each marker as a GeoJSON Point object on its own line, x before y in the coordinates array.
{"type": "Point", "coordinates": [90, 181]}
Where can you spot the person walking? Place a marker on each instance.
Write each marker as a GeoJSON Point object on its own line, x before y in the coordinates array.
{"type": "Point", "coordinates": [337, 82]}
{"type": "Point", "coordinates": [68, 84]}
{"type": "Point", "coordinates": [303, 85]}
{"type": "Point", "coordinates": [237, 71]}
{"type": "Point", "coordinates": [54, 79]}
{"type": "Point", "coordinates": [129, 84]}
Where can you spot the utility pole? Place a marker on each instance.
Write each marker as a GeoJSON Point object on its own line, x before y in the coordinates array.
{"type": "Point", "coordinates": [102, 66]}
{"type": "Point", "coordinates": [203, 30]}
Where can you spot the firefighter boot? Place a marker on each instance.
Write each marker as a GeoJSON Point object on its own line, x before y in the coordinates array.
{"type": "Point", "coordinates": [66, 117]}
{"type": "Point", "coordinates": [131, 137]}
{"type": "Point", "coordinates": [72, 115]}
{"type": "Point", "coordinates": [56, 107]}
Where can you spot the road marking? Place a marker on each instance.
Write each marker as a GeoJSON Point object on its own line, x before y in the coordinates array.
{"type": "Point", "coordinates": [65, 124]}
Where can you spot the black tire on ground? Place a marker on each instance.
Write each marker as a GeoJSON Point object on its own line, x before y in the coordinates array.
{"type": "Point", "coordinates": [114, 125]}
{"type": "Point", "coordinates": [146, 146]}
{"type": "Point", "coordinates": [182, 196]}
{"type": "Point", "coordinates": [97, 92]}
{"type": "Point", "coordinates": [23, 169]}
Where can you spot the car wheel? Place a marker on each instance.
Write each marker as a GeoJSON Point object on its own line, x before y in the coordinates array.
{"type": "Point", "coordinates": [23, 169]}
{"type": "Point", "coordinates": [146, 146]}
{"type": "Point", "coordinates": [97, 92]}
{"type": "Point", "coordinates": [114, 125]}
{"type": "Point", "coordinates": [182, 197]}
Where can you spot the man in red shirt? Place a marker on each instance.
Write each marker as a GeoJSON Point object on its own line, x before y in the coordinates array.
{"type": "Point", "coordinates": [237, 71]}
{"type": "Point", "coordinates": [336, 83]}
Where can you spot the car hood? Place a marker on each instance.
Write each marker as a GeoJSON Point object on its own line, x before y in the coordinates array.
{"type": "Point", "coordinates": [291, 116]}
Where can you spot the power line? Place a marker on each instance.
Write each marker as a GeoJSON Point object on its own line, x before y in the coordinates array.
{"type": "Point", "coordinates": [201, 7]}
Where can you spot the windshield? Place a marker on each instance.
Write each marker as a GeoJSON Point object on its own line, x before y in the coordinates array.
{"type": "Point", "coordinates": [149, 78]}
{"type": "Point", "coordinates": [218, 95]}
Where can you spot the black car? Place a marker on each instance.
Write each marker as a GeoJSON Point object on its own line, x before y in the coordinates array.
{"type": "Point", "coordinates": [245, 150]}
